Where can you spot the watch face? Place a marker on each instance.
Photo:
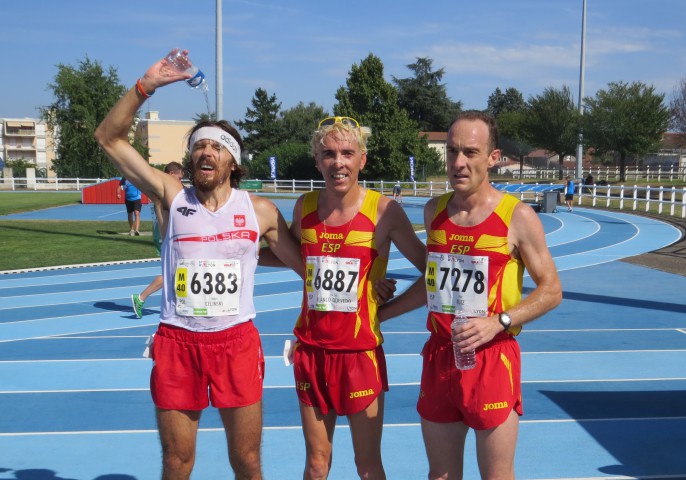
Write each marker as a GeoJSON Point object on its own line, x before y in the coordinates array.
{"type": "Point", "coordinates": [505, 320]}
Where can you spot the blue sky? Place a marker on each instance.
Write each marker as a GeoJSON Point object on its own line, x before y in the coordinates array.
{"type": "Point", "coordinates": [303, 50]}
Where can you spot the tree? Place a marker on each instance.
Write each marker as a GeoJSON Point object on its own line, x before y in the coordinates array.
{"type": "Point", "coordinates": [510, 101]}
{"type": "Point", "coordinates": [83, 97]}
{"type": "Point", "coordinates": [678, 107]}
{"type": "Point", "coordinates": [512, 135]}
{"type": "Point", "coordinates": [205, 117]}
{"type": "Point", "coordinates": [298, 123]}
{"type": "Point", "coordinates": [372, 101]}
{"type": "Point", "coordinates": [19, 166]}
{"type": "Point", "coordinates": [551, 122]}
{"type": "Point", "coordinates": [425, 98]}
{"type": "Point", "coordinates": [626, 119]}
{"type": "Point", "coordinates": [294, 160]}
{"type": "Point", "coordinates": [263, 131]}
{"type": "Point", "coordinates": [291, 144]}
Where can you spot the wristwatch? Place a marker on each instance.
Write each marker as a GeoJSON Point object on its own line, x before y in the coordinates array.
{"type": "Point", "coordinates": [505, 320]}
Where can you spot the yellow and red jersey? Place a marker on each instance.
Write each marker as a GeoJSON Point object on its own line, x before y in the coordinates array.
{"type": "Point", "coordinates": [470, 268]}
{"type": "Point", "coordinates": [339, 311]}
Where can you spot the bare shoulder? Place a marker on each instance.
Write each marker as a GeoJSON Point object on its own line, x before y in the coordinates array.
{"type": "Point", "coordinates": [524, 215]}
{"type": "Point", "coordinates": [264, 208]}
{"type": "Point", "coordinates": [430, 207]}
{"type": "Point", "coordinates": [431, 204]}
{"type": "Point", "coordinates": [387, 206]}
{"type": "Point", "coordinates": [526, 225]}
{"type": "Point", "coordinates": [391, 212]}
{"type": "Point", "coordinates": [299, 201]}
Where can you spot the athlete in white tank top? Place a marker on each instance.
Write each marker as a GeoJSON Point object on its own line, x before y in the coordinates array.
{"type": "Point", "coordinates": [208, 263]}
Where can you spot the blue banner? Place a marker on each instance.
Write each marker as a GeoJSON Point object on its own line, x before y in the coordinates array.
{"type": "Point", "coordinates": [412, 169]}
{"type": "Point", "coordinates": [272, 167]}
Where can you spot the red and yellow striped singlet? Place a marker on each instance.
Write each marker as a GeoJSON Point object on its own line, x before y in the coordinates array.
{"type": "Point", "coordinates": [471, 268]}
{"type": "Point", "coordinates": [338, 309]}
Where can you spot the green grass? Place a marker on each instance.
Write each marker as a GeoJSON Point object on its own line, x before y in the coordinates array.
{"type": "Point", "coordinates": [43, 243]}
{"type": "Point", "coordinates": [17, 202]}
{"type": "Point", "coordinates": [46, 243]}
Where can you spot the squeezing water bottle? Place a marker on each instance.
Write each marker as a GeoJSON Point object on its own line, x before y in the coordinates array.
{"type": "Point", "coordinates": [183, 64]}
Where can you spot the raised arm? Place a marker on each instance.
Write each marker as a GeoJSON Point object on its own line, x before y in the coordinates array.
{"type": "Point", "coordinates": [113, 133]}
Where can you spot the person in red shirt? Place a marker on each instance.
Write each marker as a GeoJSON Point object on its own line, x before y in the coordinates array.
{"type": "Point", "coordinates": [345, 234]}
{"type": "Point", "coordinates": [480, 241]}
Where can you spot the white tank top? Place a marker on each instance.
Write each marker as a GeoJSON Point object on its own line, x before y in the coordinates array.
{"type": "Point", "coordinates": [208, 263]}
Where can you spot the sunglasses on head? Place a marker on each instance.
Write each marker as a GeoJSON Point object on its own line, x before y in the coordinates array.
{"type": "Point", "coordinates": [344, 120]}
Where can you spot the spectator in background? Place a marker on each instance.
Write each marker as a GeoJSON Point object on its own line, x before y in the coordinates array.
{"type": "Point", "coordinates": [569, 193]}
{"type": "Point", "coordinates": [132, 199]}
{"type": "Point", "coordinates": [397, 193]}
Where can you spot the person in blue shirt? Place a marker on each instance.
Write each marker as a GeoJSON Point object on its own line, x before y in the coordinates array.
{"type": "Point", "coordinates": [132, 199]}
{"type": "Point", "coordinates": [569, 193]}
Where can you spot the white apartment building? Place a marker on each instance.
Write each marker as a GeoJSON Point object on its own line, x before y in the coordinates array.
{"type": "Point", "coordinates": [27, 139]}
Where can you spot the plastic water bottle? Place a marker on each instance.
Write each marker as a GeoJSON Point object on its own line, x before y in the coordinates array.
{"type": "Point", "coordinates": [463, 360]}
{"type": "Point", "coordinates": [183, 64]}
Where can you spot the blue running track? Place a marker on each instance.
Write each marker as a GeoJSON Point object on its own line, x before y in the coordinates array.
{"type": "Point", "coordinates": [604, 375]}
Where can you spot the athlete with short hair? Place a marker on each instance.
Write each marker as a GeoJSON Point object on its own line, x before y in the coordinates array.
{"type": "Point", "coordinates": [480, 241]}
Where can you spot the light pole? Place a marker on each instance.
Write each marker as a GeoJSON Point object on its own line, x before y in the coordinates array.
{"type": "Point", "coordinates": [219, 93]}
{"type": "Point", "coordinates": [580, 145]}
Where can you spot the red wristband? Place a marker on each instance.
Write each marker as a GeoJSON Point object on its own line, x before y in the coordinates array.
{"type": "Point", "coordinates": [141, 90]}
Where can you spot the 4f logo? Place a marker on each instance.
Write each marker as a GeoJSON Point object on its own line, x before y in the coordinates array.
{"type": "Point", "coordinates": [185, 211]}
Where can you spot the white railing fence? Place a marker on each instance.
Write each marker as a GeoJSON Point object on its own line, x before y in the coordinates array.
{"type": "Point", "coordinates": [658, 199]}
{"type": "Point", "coordinates": [661, 200]}
{"type": "Point", "coordinates": [607, 174]}
{"type": "Point", "coordinates": [50, 183]}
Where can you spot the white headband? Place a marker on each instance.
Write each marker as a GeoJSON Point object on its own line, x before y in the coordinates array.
{"type": "Point", "coordinates": [218, 135]}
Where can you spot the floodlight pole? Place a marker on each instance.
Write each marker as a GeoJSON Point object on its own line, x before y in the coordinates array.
{"type": "Point", "coordinates": [580, 145]}
{"type": "Point", "coordinates": [219, 93]}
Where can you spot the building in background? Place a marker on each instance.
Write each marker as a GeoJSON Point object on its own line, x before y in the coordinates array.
{"type": "Point", "coordinates": [166, 139]}
{"type": "Point", "coordinates": [27, 139]}
{"type": "Point", "coordinates": [438, 141]}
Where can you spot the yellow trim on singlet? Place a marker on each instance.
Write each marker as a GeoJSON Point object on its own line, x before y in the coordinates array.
{"type": "Point", "coordinates": [509, 279]}
{"type": "Point", "coordinates": [506, 208]}
{"type": "Point", "coordinates": [512, 274]}
{"type": "Point", "coordinates": [438, 237]}
{"type": "Point", "coordinates": [310, 199]}
{"type": "Point", "coordinates": [353, 238]}
{"type": "Point", "coordinates": [370, 208]}
{"type": "Point", "coordinates": [442, 203]}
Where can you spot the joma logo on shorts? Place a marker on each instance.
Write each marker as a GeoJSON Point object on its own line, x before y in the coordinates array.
{"type": "Point", "coordinates": [362, 393]}
{"type": "Point", "coordinates": [302, 385]}
{"type": "Point", "coordinates": [495, 406]}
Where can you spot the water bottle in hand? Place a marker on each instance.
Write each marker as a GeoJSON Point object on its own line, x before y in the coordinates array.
{"type": "Point", "coordinates": [183, 64]}
{"type": "Point", "coordinates": [463, 360]}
